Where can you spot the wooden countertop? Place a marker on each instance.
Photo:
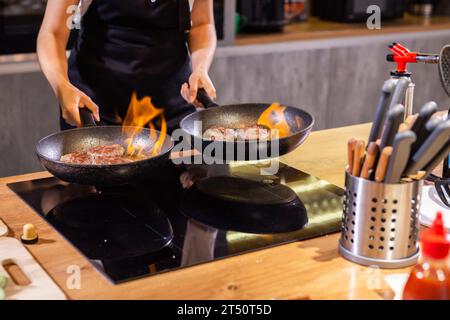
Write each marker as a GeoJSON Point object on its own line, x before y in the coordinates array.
{"type": "Point", "coordinates": [311, 268]}
{"type": "Point", "coordinates": [315, 28]}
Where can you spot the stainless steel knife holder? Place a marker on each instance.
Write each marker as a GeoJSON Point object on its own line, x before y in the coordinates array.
{"type": "Point", "coordinates": [380, 224]}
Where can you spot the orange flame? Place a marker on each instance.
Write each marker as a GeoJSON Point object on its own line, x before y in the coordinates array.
{"type": "Point", "coordinates": [140, 114]}
{"type": "Point", "coordinates": [273, 118]}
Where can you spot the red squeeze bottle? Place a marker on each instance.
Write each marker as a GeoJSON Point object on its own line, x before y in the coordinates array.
{"type": "Point", "coordinates": [430, 278]}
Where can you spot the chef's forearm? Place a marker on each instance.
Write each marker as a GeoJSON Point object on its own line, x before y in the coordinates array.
{"type": "Point", "coordinates": [202, 45]}
{"type": "Point", "coordinates": [202, 37]}
{"type": "Point", "coordinates": [52, 42]}
{"type": "Point", "coordinates": [53, 60]}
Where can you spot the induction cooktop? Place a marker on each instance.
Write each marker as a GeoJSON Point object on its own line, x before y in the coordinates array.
{"type": "Point", "coordinates": [187, 216]}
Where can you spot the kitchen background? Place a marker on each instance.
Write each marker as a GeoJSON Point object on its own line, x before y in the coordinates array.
{"type": "Point", "coordinates": [314, 54]}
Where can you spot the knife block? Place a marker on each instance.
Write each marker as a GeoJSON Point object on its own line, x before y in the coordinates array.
{"type": "Point", "coordinates": [380, 224]}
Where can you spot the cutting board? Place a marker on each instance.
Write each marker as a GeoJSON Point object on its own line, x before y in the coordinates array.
{"type": "Point", "coordinates": [41, 286]}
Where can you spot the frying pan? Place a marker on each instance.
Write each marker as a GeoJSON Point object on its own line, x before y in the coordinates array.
{"type": "Point", "coordinates": [50, 149]}
{"type": "Point", "coordinates": [232, 116]}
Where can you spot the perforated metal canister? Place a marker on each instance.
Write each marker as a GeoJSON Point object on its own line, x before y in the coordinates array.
{"type": "Point", "coordinates": [380, 223]}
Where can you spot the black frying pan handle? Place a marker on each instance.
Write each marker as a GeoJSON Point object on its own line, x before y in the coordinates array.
{"type": "Point", "coordinates": [87, 118]}
{"type": "Point", "coordinates": [205, 99]}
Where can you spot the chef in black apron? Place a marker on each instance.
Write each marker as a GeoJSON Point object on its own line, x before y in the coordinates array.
{"type": "Point", "coordinates": [142, 46]}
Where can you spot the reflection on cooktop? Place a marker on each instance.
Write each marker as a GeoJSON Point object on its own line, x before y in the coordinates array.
{"type": "Point", "coordinates": [140, 230]}
{"type": "Point", "coordinates": [112, 226]}
{"type": "Point", "coordinates": [244, 205]}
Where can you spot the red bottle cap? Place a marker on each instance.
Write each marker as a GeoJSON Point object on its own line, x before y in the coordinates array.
{"type": "Point", "coordinates": [434, 240]}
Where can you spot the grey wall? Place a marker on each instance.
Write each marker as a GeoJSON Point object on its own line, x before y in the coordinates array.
{"type": "Point", "coordinates": [29, 112]}
{"type": "Point", "coordinates": [337, 80]}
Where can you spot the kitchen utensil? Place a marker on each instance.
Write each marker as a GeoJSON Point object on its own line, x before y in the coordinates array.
{"type": "Point", "coordinates": [394, 119]}
{"type": "Point", "coordinates": [433, 202]}
{"type": "Point", "coordinates": [399, 92]}
{"type": "Point", "coordinates": [432, 145]}
{"type": "Point", "coordinates": [383, 162]}
{"type": "Point", "coordinates": [401, 55]}
{"type": "Point", "coordinates": [351, 153]}
{"type": "Point", "coordinates": [443, 190]}
{"type": "Point", "coordinates": [380, 223]}
{"type": "Point", "coordinates": [50, 149]}
{"type": "Point", "coordinates": [229, 116]}
{"type": "Point", "coordinates": [3, 229]}
{"type": "Point", "coordinates": [400, 155]}
{"type": "Point", "coordinates": [443, 60]}
{"type": "Point", "coordinates": [430, 126]}
{"type": "Point", "coordinates": [403, 127]}
{"type": "Point", "coordinates": [370, 160]}
{"type": "Point", "coordinates": [444, 68]}
{"type": "Point", "coordinates": [409, 121]}
{"type": "Point", "coordinates": [419, 125]}
{"type": "Point", "coordinates": [41, 286]}
{"type": "Point", "coordinates": [445, 151]}
{"type": "Point", "coordinates": [382, 109]}
{"type": "Point", "coordinates": [358, 157]}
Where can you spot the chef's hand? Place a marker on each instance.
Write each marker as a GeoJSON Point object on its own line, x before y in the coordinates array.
{"type": "Point", "coordinates": [71, 100]}
{"type": "Point", "coordinates": [198, 79]}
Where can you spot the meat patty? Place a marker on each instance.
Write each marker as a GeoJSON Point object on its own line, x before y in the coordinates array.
{"type": "Point", "coordinates": [251, 132]}
{"type": "Point", "coordinates": [113, 150]}
{"type": "Point", "coordinates": [220, 134]}
{"type": "Point", "coordinates": [77, 158]}
{"type": "Point", "coordinates": [107, 160]}
{"type": "Point", "coordinates": [101, 155]}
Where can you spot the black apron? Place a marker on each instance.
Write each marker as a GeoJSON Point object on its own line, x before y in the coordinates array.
{"type": "Point", "coordinates": [133, 46]}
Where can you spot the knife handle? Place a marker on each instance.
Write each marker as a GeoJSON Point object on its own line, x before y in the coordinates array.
{"type": "Point", "coordinates": [400, 156]}
{"type": "Point", "coordinates": [420, 123]}
{"type": "Point", "coordinates": [411, 119]}
{"type": "Point", "coordinates": [427, 129]}
{"type": "Point", "coordinates": [430, 148]}
{"type": "Point", "coordinates": [395, 118]}
{"type": "Point", "coordinates": [380, 173]}
{"type": "Point", "coordinates": [369, 161]}
{"type": "Point", "coordinates": [358, 157]}
{"type": "Point", "coordinates": [350, 153]}
{"type": "Point", "coordinates": [381, 110]}
{"type": "Point", "coordinates": [445, 151]}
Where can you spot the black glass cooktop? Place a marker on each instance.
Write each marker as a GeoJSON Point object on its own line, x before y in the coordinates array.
{"type": "Point", "coordinates": [186, 217]}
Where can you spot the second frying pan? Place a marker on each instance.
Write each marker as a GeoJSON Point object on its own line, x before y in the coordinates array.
{"type": "Point", "coordinates": [232, 116]}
